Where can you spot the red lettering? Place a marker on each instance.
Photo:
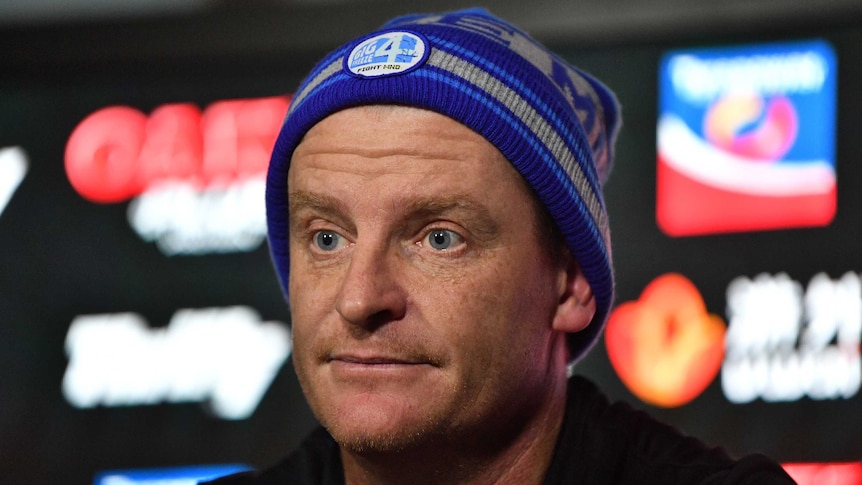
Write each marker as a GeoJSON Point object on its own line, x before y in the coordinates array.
{"type": "Point", "coordinates": [101, 154]}
{"type": "Point", "coordinates": [239, 136]}
{"type": "Point", "coordinates": [117, 152]}
{"type": "Point", "coordinates": [259, 122]}
{"type": "Point", "coordinates": [172, 149]}
{"type": "Point", "coordinates": [220, 144]}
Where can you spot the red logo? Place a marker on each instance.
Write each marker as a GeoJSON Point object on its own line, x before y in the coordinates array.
{"type": "Point", "coordinates": [665, 347]}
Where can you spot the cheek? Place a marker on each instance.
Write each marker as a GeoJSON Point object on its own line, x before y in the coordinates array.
{"type": "Point", "coordinates": [497, 341]}
{"type": "Point", "coordinates": [300, 333]}
{"type": "Point", "coordinates": [310, 290]}
{"type": "Point", "coordinates": [490, 316]}
{"type": "Point", "coordinates": [308, 305]}
{"type": "Point", "coordinates": [306, 313]}
{"type": "Point", "coordinates": [517, 305]}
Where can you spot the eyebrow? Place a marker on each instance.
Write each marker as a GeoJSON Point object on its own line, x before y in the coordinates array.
{"type": "Point", "coordinates": [477, 217]}
{"type": "Point", "coordinates": [307, 200]}
{"type": "Point", "coordinates": [435, 205]}
{"type": "Point", "coordinates": [319, 204]}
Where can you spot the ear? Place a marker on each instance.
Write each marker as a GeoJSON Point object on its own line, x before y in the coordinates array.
{"type": "Point", "coordinates": [577, 305]}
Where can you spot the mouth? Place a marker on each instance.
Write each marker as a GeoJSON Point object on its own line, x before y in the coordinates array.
{"type": "Point", "coordinates": [374, 360]}
{"type": "Point", "coordinates": [381, 370]}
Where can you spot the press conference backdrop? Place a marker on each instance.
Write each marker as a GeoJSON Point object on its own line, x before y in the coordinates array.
{"type": "Point", "coordinates": [144, 335]}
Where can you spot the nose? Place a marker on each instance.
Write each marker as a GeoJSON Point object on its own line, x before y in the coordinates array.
{"type": "Point", "coordinates": [370, 295]}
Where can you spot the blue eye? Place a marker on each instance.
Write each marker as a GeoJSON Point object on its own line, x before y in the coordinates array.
{"type": "Point", "coordinates": [443, 239]}
{"type": "Point", "coordinates": [328, 240]}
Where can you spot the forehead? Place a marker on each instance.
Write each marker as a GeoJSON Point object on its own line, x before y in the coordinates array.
{"type": "Point", "coordinates": [412, 146]}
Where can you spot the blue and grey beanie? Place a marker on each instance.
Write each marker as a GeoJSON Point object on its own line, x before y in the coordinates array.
{"type": "Point", "coordinates": [554, 123]}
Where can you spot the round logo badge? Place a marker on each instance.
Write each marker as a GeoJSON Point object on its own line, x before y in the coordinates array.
{"type": "Point", "coordinates": [389, 53]}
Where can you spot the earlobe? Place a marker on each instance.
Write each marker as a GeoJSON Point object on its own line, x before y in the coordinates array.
{"type": "Point", "coordinates": [577, 305]}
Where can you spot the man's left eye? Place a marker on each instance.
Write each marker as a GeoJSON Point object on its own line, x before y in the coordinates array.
{"type": "Point", "coordinates": [443, 239]}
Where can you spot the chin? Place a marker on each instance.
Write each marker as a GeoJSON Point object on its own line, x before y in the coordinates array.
{"type": "Point", "coordinates": [364, 443]}
{"type": "Point", "coordinates": [380, 427]}
{"type": "Point", "coordinates": [364, 440]}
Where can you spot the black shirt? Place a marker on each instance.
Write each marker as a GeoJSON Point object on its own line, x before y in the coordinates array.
{"type": "Point", "coordinates": [599, 443]}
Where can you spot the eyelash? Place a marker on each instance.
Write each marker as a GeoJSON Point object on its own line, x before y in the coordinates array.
{"type": "Point", "coordinates": [456, 241]}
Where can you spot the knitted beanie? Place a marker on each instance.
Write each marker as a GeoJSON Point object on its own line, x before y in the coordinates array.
{"type": "Point", "coordinates": [554, 123]}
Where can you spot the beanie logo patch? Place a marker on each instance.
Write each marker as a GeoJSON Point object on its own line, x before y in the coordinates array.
{"type": "Point", "coordinates": [394, 52]}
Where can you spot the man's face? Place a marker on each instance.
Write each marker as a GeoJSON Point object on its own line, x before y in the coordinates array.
{"type": "Point", "coordinates": [421, 295]}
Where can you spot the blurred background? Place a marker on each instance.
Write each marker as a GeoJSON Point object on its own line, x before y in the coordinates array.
{"type": "Point", "coordinates": [143, 334]}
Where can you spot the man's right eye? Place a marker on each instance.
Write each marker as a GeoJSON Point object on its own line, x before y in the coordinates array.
{"type": "Point", "coordinates": [328, 240]}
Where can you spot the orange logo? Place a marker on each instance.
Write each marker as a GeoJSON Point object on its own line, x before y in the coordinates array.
{"type": "Point", "coordinates": [665, 347]}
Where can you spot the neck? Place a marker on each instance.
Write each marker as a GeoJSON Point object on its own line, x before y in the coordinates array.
{"type": "Point", "coordinates": [521, 455]}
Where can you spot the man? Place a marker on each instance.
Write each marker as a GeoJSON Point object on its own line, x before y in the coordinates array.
{"type": "Point", "coordinates": [436, 217]}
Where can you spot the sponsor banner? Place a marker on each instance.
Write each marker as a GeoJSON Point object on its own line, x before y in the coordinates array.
{"type": "Point", "coordinates": [746, 138]}
{"type": "Point", "coordinates": [195, 178]}
{"type": "Point", "coordinates": [782, 342]}
{"type": "Point", "coordinates": [785, 342]}
{"type": "Point", "coordinates": [223, 357]}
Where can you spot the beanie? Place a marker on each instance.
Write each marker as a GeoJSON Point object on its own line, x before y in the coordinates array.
{"type": "Point", "coordinates": [553, 122]}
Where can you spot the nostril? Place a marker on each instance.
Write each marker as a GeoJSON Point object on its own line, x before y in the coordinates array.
{"type": "Point", "coordinates": [360, 330]}
{"type": "Point", "coordinates": [374, 312]}
{"type": "Point", "coordinates": [370, 298]}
